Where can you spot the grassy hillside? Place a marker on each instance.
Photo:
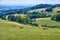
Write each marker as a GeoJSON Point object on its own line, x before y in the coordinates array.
{"type": "Point", "coordinates": [38, 10]}
{"type": "Point", "coordinates": [47, 21]}
{"type": "Point", "coordinates": [56, 9]}
{"type": "Point", "coordinates": [8, 32]}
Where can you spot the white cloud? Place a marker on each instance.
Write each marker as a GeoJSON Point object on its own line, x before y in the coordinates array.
{"type": "Point", "coordinates": [19, 2]}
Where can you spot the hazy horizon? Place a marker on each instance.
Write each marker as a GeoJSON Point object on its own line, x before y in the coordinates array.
{"type": "Point", "coordinates": [27, 2]}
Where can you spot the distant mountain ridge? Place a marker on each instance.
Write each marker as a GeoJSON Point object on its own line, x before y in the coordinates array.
{"type": "Point", "coordinates": [23, 9]}
{"type": "Point", "coordinates": [13, 7]}
{"type": "Point", "coordinates": [44, 6]}
{"type": "Point", "coordinates": [31, 7]}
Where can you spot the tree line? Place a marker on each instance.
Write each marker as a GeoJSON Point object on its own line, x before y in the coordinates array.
{"type": "Point", "coordinates": [21, 19]}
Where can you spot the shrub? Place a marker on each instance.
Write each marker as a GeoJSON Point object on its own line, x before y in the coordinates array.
{"type": "Point", "coordinates": [34, 24]}
{"type": "Point", "coordinates": [36, 14]}
{"type": "Point", "coordinates": [21, 19]}
{"type": "Point", "coordinates": [44, 25]}
{"type": "Point", "coordinates": [49, 9]}
{"type": "Point", "coordinates": [53, 17]}
{"type": "Point", "coordinates": [56, 17]}
{"type": "Point", "coordinates": [11, 17]}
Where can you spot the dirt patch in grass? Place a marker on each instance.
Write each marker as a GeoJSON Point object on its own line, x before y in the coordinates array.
{"type": "Point", "coordinates": [15, 23]}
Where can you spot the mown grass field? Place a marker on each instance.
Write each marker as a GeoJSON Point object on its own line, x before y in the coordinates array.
{"type": "Point", "coordinates": [8, 32]}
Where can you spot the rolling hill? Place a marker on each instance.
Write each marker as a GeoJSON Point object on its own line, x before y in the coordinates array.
{"type": "Point", "coordinates": [45, 6]}
{"type": "Point", "coordinates": [8, 32]}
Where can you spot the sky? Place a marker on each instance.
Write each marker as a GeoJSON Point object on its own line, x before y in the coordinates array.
{"type": "Point", "coordinates": [28, 2]}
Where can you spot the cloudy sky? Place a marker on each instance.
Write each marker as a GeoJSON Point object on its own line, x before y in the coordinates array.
{"type": "Point", "coordinates": [28, 2]}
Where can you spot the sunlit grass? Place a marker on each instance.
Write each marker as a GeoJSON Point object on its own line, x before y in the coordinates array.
{"type": "Point", "coordinates": [8, 32]}
{"type": "Point", "coordinates": [48, 21]}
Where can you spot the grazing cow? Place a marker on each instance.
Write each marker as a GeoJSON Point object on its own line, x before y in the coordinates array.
{"type": "Point", "coordinates": [44, 28]}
